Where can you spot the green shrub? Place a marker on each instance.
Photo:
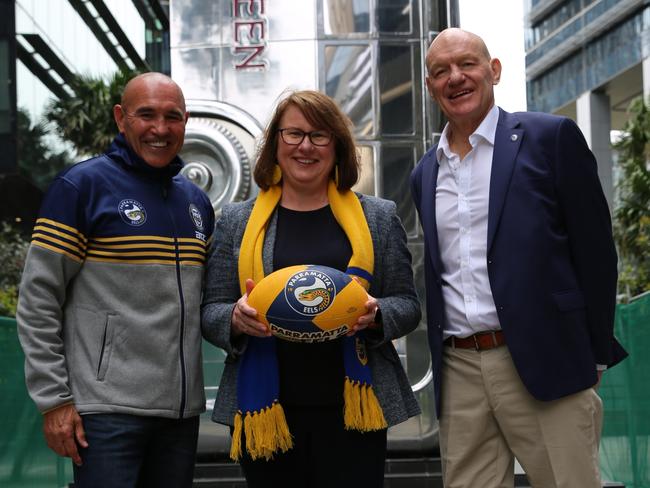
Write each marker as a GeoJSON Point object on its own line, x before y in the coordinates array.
{"type": "Point", "coordinates": [13, 250]}
{"type": "Point", "coordinates": [8, 301]}
{"type": "Point", "coordinates": [632, 209]}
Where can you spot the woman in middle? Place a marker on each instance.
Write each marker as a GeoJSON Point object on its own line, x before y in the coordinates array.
{"type": "Point", "coordinates": [310, 414]}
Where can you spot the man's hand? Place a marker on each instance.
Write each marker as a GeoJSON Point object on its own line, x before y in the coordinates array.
{"type": "Point", "coordinates": [63, 430]}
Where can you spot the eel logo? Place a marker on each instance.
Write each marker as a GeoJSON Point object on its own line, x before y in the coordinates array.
{"type": "Point", "coordinates": [132, 212]}
{"type": "Point", "coordinates": [196, 217]}
{"type": "Point", "coordinates": [310, 292]}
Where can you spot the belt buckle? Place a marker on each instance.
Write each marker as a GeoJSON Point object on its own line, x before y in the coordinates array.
{"type": "Point", "coordinates": [477, 345]}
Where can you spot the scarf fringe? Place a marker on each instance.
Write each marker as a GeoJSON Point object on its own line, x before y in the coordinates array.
{"type": "Point", "coordinates": [266, 433]}
{"type": "Point", "coordinates": [362, 411]}
{"type": "Point", "coordinates": [235, 444]}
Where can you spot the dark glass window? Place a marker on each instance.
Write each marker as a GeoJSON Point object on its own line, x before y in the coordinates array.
{"type": "Point", "coordinates": [397, 163]}
{"type": "Point", "coordinates": [396, 89]}
{"type": "Point", "coordinates": [557, 17]}
{"type": "Point", "coordinates": [395, 16]}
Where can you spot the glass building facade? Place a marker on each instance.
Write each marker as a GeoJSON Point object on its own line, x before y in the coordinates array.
{"type": "Point", "coordinates": [574, 46]}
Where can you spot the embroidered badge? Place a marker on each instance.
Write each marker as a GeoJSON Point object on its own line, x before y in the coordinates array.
{"type": "Point", "coordinates": [310, 292]}
{"type": "Point", "coordinates": [132, 212]}
{"type": "Point", "coordinates": [195, 215]}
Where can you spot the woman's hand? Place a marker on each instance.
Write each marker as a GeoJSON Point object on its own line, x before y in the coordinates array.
{"type": "Point", "coordinates": [367, 320]}
{"type": "Point", "coordinates": [244, 317]}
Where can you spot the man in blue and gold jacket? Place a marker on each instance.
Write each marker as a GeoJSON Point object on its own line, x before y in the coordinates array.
{"type": "Point", "coordinates": [108, 314]}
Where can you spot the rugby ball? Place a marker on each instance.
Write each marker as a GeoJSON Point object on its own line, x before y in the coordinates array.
{"type": "Point", "coordinates": [308, 303]}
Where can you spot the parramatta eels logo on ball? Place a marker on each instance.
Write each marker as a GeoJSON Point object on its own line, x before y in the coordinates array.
{"type": "Point", "coordinates": [310, 292]}
{"type": "Point", "coordinates": [132, 212]}
{"type": "Point", "coordinates": [196, 217]}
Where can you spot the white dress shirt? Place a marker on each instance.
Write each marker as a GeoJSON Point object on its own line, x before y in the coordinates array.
{"type": "Point", "coordinates": [462, 201]}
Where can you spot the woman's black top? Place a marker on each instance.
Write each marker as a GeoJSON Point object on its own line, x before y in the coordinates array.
{"type": "Point", "coordinates": [311, 374]}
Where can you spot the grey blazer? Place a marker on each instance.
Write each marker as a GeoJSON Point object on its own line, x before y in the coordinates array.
{"type": "Point", "coordinates": [392, 286]}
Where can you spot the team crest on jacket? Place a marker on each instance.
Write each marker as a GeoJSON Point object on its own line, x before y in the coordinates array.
{"type": "Point", "coordinates": [132, 212]}
{"type": "Point", "coordinates": [196, 217]}
{"type": "Point", "coordinates": [310, 292]}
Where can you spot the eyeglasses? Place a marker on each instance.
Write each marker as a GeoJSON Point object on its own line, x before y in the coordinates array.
{"type": "Point", "coordinates": [293, 137]}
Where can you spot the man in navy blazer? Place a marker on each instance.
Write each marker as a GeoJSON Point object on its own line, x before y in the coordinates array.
{"type": "Point", "coordinates": [521, 273]}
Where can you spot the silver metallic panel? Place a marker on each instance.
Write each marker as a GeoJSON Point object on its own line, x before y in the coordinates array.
{"type": "Point", "coordinates": [291, 20]}
{"type": "Point", "coordinates": [292, 65]}
{"type": "Point", "coordinates": [198, 22]}
{"type": "Point", "coordinates": [195, 70]}
{"type": "Point", "coordinates": [208, 73]}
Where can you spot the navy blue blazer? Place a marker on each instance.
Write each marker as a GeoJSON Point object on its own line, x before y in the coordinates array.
{"type": "Point", "coordinates": [551, 258]}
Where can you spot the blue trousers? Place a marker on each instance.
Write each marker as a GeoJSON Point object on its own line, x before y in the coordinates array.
{"type": "Point", "coordinates": [130, 451]}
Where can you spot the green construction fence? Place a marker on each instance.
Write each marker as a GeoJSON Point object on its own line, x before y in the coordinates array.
{"type": "Point", "coordinates": [625, 390]}
{"type": "Point", "coordinates": [26, 461]}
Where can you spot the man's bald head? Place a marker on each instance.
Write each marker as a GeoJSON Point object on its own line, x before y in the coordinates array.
{"type": "Point", "coordinates": [457, 35]}
{"type": "Point", "coordinates": [135, 85]}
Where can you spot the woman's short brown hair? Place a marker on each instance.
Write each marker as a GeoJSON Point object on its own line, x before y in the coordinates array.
{"type": "Point", "coordinates": [322, 112]}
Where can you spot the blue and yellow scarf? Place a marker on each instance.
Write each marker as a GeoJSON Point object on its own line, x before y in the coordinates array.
{"type": "Point", "coordinates": [260, 416]}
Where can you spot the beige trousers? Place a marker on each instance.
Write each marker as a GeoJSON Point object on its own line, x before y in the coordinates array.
{"type": "Point", "coordinates": [488, 417]}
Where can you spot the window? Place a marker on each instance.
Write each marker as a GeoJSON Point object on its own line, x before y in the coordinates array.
{"type": "Point", "coordinates": [348, 79]}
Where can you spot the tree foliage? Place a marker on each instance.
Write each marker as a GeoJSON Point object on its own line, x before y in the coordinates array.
{"type": "Point", "coordinates": [37, 161]}
{"type": "Point", "coordinates": [13, 249]}
{"type": "Point", "coordinates": [632, 210]}
{"type": "Point", "coordinates": [86, 120]}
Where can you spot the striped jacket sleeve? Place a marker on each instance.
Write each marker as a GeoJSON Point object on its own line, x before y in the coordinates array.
{"type": "Point", "coordinates": [55, 256]}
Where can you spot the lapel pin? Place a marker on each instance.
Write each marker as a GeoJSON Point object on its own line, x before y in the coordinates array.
{"type": "Point", "coordinates": [514, 137]}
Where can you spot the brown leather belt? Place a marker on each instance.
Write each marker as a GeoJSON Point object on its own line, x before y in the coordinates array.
{"type": "Point", "coordinates": [479, 341]}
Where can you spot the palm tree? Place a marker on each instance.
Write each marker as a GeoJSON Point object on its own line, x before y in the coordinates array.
{"type": "Point", "coordinates": [37, 161]}
{"type": "Point", "coordinates": [86, 120]}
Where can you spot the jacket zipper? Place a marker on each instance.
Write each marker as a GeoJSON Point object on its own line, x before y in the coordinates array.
{"type": "Point", "coordinates": [182, 305]}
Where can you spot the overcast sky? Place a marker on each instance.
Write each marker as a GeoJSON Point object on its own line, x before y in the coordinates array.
{"type": "Point", "coordinates": [501, 25]}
